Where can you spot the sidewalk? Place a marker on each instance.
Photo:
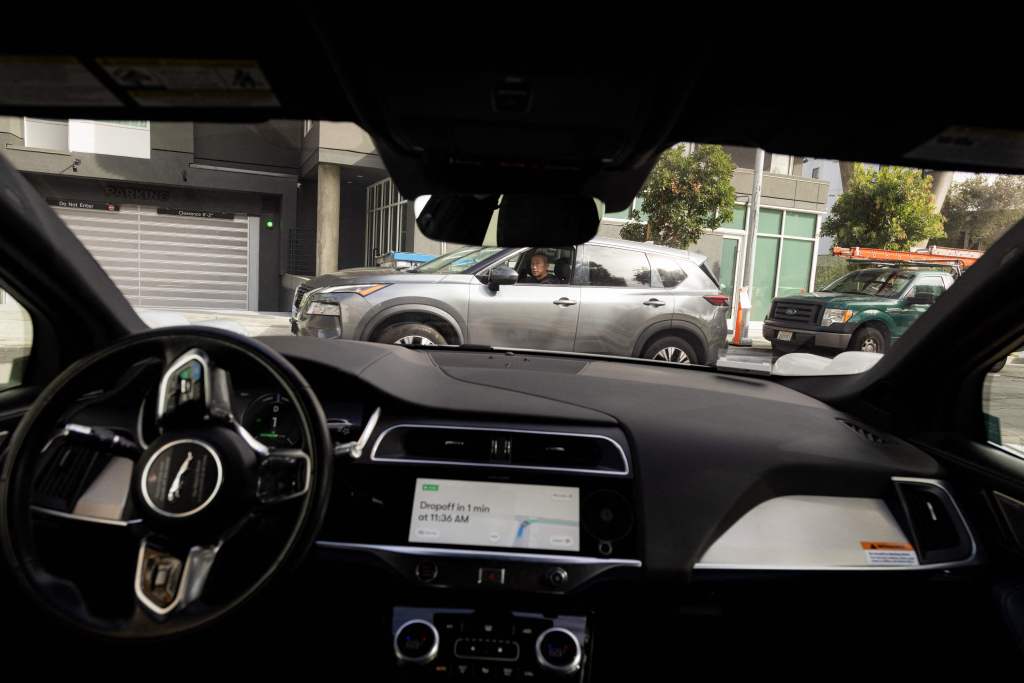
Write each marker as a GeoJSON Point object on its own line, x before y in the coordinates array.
{"type": "Point", "coordinates": [251, 323]}
{"type": "Point", "coordinates": [756, 338]}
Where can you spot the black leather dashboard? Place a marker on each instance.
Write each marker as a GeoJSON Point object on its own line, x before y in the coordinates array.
{"type": "Point", "coordinates": [706, 447]}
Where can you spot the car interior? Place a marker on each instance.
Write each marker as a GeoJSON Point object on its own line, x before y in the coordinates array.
{"type": "Point", "coordinates": [664, 519]}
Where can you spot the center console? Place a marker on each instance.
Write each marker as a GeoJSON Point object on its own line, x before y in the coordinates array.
{"type": "Point", "coordinates": [471, 645]}
{"type": "Point", "coordinates": [481, 515]}
{"type": "Point", "coordinates": [489, 508]}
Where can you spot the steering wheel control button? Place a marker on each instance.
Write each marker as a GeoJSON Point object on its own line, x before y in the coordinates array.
{"type": "Point", "coordinates": [416, 642]}
{"type": "Point", "coordinates": [558, 650]}
{"type": "Point", "coordinates": [556, 577]}
{"type": "Point", "coordinates": [282, 476]}
{"type": "Point", "coordinates": [181, 478]}
{"type": "Point", "coordinates": [160, 577]}
{"type": "Point", "coordinates": [186, 384]}
{"type": "Point", "coordinates": [426, 570]}
{"type": "Point", "coordinates": [491, 576]}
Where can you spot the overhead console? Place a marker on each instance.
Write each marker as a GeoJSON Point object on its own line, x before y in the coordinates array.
{"type": "Point", "coordinates": [494, 507]}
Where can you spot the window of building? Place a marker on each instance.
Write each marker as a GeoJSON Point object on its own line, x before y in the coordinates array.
{"type": "Point", "coordinates": [126, 138]}
{"type": "Point", "coordinates": [385, 220]}
{"type": "Point", "coordinates": [815, 172]}
{"type": "Point", "coordinates": [46, 134]}
{"type": "Point", "coordinates": [624, 214]}
{"type": "Point", "coordinates": [781, 164]}
{"type": "Point", "coordinates": [783, 256]}
{"type": "Point", "coordinates": [613, 267]}
{"type": "Point", "coordinates": [307, 126]}
{"type": "Point", "coordinates": [738, 220]}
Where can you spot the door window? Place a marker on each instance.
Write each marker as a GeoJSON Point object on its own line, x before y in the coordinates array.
{"type": "Point", "coordinates": [1003, 404]}
{"type": "Point", "coordinates": [668, 271]}
{"type": "Point", "coordinates": [15, 341]}
{"type": "Point", "coordinates": [614, 267]}
{"type": "Point", "coordinates": [556, 262]}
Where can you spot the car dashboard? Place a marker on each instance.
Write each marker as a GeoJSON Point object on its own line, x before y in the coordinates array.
{"type": "Point", "coordinates": [497, 507]}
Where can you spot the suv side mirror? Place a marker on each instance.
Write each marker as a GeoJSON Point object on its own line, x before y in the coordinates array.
{"type": "Point", "coordinates": [497, 276]}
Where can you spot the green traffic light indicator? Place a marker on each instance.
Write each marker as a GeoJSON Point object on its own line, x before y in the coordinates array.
{"type": "Point", "coordinates": [269, 223]}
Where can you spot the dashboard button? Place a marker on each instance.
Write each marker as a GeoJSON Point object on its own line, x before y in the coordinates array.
{"type": "Point", "coordinates": [464, 671]}
{"type": "Point", "coordinates": [558, 650]}
{"type": "Point", "coordinates": [556, 577]}
{"type": "Point", "coordinates": [490, 576]}
{"type": "Point", "coordinates": [490, 628]}
{"type": "Point", "coordinates": [416, 642]}
{"type": "Point", "coordinates": [426, 570]}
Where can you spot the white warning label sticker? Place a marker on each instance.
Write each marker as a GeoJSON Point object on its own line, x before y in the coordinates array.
{"type": "Point", "coordinates": [881, 553]}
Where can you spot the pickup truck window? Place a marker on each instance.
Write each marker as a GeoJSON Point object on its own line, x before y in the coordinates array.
{"type": "Point", "coordinates": [885, 282]}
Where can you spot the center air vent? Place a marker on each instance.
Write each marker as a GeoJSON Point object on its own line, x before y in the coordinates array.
{"type": "Point", "coordinates": [501, 448]}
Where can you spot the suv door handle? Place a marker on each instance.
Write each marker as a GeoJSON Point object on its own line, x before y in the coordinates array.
{"type": "Point", "coordinates": [564, 301]}
{"type": "Point", "coordinates": [654, 302]}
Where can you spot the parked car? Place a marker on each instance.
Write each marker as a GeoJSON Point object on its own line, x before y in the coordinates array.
{"type": "Point", "coordinates": [866, 310]}
{"type": "Point", "coordinates": [608, 296]}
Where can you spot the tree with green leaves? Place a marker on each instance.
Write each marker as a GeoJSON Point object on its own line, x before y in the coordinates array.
{"type": "Point", "coordinates": [980, 209]}
{"type": "Point", "coordinates": [685, 196]}
{"type": "Point", "coordinates": [888, 208]}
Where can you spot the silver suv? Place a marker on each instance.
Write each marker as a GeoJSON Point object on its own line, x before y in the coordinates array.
{"type": "Point", "coordinates": [607, 296]}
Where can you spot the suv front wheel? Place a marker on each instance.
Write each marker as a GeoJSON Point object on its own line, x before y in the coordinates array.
{"type": "Point", "coordinates": [869, 339]}
{"type": "Point", "coordinates": [411, 334]}
{"type": "Point", "coordinates": [672, 350]}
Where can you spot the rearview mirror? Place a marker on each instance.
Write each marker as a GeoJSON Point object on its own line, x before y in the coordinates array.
{"type": "Point", "coordinates": [497, 276]}
{"type": "Point", "coordinates": [509, 220]}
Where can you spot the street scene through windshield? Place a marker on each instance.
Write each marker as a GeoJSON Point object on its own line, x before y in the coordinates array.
{"type": "Point", "coordinates": [728, 256]}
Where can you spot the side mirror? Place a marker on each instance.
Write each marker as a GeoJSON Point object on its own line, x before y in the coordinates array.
{"type": "Point", "coordinates": [498, 276]}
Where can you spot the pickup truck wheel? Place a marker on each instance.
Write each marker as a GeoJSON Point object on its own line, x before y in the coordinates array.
{"type": "Point", "coordinates": [869, 339]}
{"type": "Point", "coordinates": [411, 334]}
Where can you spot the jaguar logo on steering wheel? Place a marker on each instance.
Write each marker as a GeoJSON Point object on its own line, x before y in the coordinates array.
{"type": "Point", "coordinates": [181, 478]}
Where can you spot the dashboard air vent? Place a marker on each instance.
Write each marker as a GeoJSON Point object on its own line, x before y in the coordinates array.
{"type": "Point", "coordinates": [939, 532]}
{"type": "Point", "coordinates": [69, 469]}
{"type": "Point", "coordinates": [501, 448]}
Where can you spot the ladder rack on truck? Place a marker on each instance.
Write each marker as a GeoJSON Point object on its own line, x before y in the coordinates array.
{"type": "Point", "coordinates": [957, 259]}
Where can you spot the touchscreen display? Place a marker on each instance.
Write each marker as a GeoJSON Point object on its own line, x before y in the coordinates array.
{"type": "Point", "coordinates": [479, 513]}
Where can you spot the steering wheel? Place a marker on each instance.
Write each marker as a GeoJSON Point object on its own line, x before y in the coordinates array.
{"type": "Point", "coordinates": [201, 517]}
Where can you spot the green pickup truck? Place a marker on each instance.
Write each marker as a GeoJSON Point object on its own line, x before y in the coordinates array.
{"type": "Point", "coordinates": [866, 310]}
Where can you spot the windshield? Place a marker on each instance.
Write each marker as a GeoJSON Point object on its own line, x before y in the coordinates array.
{"type": "Point", "coordinates": [226, 224]}
{"type": "Point", "coordinates": [459, 261]}
{"type": "Point", "coordinates": [884, 283]}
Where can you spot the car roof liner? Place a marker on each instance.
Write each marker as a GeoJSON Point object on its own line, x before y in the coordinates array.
{"type": "Point", "coordinates": [467, 115]}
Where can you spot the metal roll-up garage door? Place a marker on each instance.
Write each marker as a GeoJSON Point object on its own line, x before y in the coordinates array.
{"type": "Point", "coordinates": [169, 261]}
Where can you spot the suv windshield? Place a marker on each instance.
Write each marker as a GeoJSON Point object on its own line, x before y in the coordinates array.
{"type": "Point", "coordinates": [458, 261]}
{"type": "Point", "coordinates": [876, 282]}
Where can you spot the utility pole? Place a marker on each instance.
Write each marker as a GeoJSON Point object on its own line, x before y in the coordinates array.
{"type": "Point", "coordinates": [741, 329]}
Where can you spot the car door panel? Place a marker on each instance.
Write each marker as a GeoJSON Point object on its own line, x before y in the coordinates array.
{"type": "Point", "coordinates": [527, 316]}
{"type": "Point", "coordinates": [613, 317]}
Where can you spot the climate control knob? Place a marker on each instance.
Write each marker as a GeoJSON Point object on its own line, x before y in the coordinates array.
{"type": "Point", "coordinates": [558, 650]}
{"type": "Point", "coordinates": [416, 642]}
